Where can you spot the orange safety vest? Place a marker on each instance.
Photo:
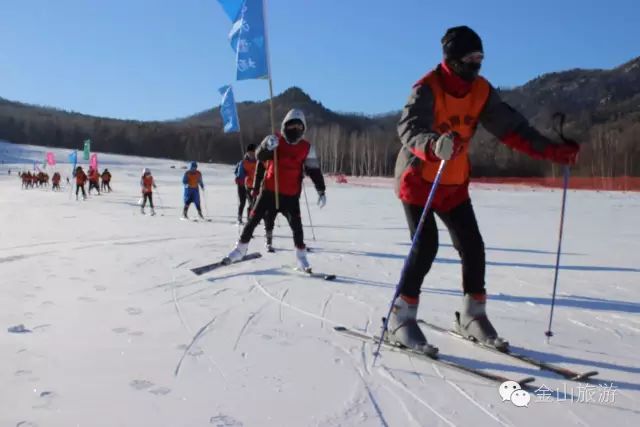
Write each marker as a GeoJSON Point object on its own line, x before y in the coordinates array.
{"type": "Point", "coordinates": [250, 171]}
{"type": "Point", "coordinates": [147, 184]}
{"type": "Point", "coordinates": [81, 178]}
{"type": "Point", "coordinates": [459, 115]}
{"type": "Point", "coordinates": [193, 178]}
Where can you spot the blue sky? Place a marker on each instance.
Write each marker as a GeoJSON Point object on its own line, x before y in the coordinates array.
{"type": "Point", "coordinates": [161, 59]}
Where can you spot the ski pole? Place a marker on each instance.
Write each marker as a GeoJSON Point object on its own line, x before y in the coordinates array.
{"type": "Point", "coordinates": [549, 333]}
{"type": "Point", "coordinates": [161, 204]}
{"type": "Point", "coordinates": [414, 242]}
{"type": "Point", "coordinates": [206, 208]}
{"type": "Point", "coordinates": [304, 190]}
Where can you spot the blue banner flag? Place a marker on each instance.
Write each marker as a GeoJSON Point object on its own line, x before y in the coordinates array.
{"type": "Point", "coordinates": [231, 8]}
{"type": "Point", "coordinates": [73, 158]}
{"type": "Point", "coordinates": [228, 110]}
{"type": "Point", "coordinates": [248, 37]}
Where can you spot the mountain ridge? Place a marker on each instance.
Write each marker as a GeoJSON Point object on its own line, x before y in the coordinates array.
{"type": "Point", "coordinates": [602, 108]}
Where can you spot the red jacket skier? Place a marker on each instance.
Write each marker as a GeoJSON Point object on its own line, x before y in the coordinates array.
{"type": "Point", "coordinates": [295, 157]}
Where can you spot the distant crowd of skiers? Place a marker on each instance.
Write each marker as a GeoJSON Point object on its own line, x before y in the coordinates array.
{"type": "Point", "coordinates": [37, 180]}
{"type": "Point", "coordinates": [101, 182]}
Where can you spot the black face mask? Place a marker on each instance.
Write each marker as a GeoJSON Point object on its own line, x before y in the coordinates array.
{"type": "Point", "coordinates": [293, 134]}
{"type": "Point", "coordinates": [467, 71]}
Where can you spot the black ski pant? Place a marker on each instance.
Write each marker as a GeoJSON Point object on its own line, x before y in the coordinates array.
{"type": "Point", "coordinates": [465, 235]}
{"type": "Point", "coordinates": [93, 185]}
{"type": "Point", "coordinates": [145, 197]}
{"type": "Point", "coordinates": [243, 197]}
{"type": "Point", "coordinates": [78, 188]}
{"type": "Point", "coordinates": [265, 207]}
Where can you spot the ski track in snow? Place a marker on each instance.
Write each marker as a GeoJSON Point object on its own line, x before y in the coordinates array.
{"type": "Point", "coordinates": [582, 324]}
{"type": "Point", "coordinates": [403, 404]}
{"type": "Point", "coordinates": [469, 398]}
{"type": "Point", "coordinates": [246, 325]}
{"type": "Point", "coordinates": [398, 383]}
{"type": "Point", "coordinates": [324, 308]}
{"type": "Point", "coordinates": [284, 294]}
{"type": "Point", "coordinates": [194, 339]}
{"type": "Point", "coordinates": [361, 375]}
{"type": "Point", "coordinates": [292, 307]}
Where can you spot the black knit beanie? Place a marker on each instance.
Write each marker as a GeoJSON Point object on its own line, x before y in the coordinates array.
{"type": "Point", "coordinates": [459, 42]}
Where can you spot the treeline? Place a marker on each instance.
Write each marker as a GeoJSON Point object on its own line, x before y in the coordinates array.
{"type": "Point", "coordinates": [602, 107]}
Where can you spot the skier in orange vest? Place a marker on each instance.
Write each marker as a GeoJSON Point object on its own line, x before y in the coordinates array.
{"type": "Point", "coordinates": [436, 124]}
{"type": "Point", "coordinates": [147, 185]}
{"type": "Point", "coordinates": [245, 174]}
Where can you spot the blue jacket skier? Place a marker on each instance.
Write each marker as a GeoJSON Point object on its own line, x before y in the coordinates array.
{"type": "Point", "coordinates": [192, 181]}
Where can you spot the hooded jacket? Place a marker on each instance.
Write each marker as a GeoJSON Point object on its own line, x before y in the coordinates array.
{"type": "Point", "coordinates": [294, 160]}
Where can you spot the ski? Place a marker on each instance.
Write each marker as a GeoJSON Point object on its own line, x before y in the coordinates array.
{"type": "Point", "coordinates": [564, 372]}
{"type": "Point", "coordinates": [196, 219]}
{"type": "Point", "coordinates": [311, 273]}
{"type": "Point", "coordinates": [209, 267]}
{"type": "Point", "coordinates": [440, 358]}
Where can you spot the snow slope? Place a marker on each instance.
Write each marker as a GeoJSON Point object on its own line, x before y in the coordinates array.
{"type": "Point", "coordinates": [123, 334]}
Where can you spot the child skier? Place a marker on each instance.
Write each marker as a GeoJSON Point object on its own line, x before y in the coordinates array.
{"type": "Point", "coordinates": [94, 180]}
{"type": "Point", "coordinates": [81, 179]}
{"type": "Point", "coordinates": [437, 124]}
{"type": "Point", "coordinates": [192, 179]}
{"type": "Point", "coordinates": [245, 172]}
{"type": "Point", "coordinates": [55, 181]}
{"type": "Point", "coordinates": [295, 155]}
{"type": "Point", "coordinates": [147, 185]}
{"type": "Point", "coordinates": [106, 180]}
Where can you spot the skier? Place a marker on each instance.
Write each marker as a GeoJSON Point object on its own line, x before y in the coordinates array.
{"type": "Point", "coordinates": [245, 172]}
{"type": "Point", "coordinates": [81, 178]}
{"type": "Point", "coordinates": [147, 185]}
{"type": "Point", "coordinates": [106, 180]}
{"type": "Point", "coordinates": [55, 181]}
{"type": "Point", "coordinates": [94, 179]}
{"type": "Point", "coordinates": [192, 179]}
{"type": "Point", "coordinates": [437, 124]}
{"type": "Point", "coordinates": [295, 155]}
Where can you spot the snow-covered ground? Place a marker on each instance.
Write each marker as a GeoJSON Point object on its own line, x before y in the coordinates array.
{"type": "Point", "coordinates": [123, 334]}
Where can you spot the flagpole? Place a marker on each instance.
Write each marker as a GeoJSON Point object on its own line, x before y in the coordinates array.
{"type": "Point", "coordinates": [239, 127]}
{"type": "Point", "coordinates": [273, 126]}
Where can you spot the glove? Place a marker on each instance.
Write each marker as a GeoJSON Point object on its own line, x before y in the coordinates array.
{"type": "Point", "coordinates": [565, 153]}
{"type": "Point", "coordinates": [446, 146]}
{"type": "Point", "coordinates": [271, 142]}
{"type": "Point", "coordinates": [322, 199]}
